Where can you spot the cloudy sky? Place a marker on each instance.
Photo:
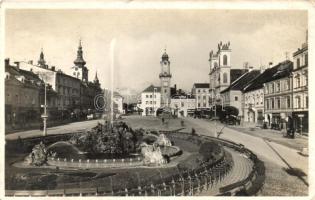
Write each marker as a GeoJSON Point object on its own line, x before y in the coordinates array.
{"type": "Point", "coordinates": [256, 36]}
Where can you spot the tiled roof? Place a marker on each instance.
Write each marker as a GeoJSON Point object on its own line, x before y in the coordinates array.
{"type": "Point", "coordinates": [201, 85]}
{"type": "Point", "coordinates": [242, 81]}
{"type": "Point", "coordinates": [151, 89]}
{"type": "Point", "coordinates": [279, 71]}
{"type": "Point", "coordinates": [236, 73]}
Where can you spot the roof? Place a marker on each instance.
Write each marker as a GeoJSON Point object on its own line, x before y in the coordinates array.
{"type": "Point", "coordinates": [242, 81]}
{"type": "Point", "coordinates": [236, 73]}
{"type": "Point", "coordinates": [201, 85]}
{"type": "Point", "coordinates": [151, 89]}
{"type": "Point", "coordinates": [279, 71]}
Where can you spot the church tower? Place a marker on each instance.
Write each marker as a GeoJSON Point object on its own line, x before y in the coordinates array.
{"type": "Point", "coordinates": [80, 71]}
{"type": "Point", "coordinates": [165, 78]}
{"type": "Point", "coordinates": [96, 81]}
{"type": "Point", "coordinates": [41, 62]}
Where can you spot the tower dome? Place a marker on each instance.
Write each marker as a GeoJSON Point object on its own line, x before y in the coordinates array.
{"type": "Point", "coordinates": [165, 55]}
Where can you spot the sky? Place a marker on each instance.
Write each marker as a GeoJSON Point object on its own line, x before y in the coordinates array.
{"type": "Point", "coordinates": [256, 36]}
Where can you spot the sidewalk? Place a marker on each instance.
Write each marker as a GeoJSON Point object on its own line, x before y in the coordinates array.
{"type": "Point", "coordinates": [67, 128]}
{"type": "Point", "coordinates": [297, 143]}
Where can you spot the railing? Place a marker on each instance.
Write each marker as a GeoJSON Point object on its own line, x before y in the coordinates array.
{"type": "Point", "coordinates": [185, 183]}
{"type": "Point", "coordinates": [95, 163]}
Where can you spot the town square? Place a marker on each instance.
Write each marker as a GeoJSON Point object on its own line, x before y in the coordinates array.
{"type": "Point", "coordinates": [104, 102]}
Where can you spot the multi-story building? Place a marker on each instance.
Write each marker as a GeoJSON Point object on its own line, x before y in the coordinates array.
{"type": "Point", "coordinates": [67, 87]}
{"type": "Point", "coordinates": [75, 94]}
{"type": "Point", "coordinates": [254, 97]}
{"type": "Point", "coordinates": [221, 73]}
{"type": "Point", "coordinates": [24, 95]}
{"type": "Point", "coordinates": [300, 88]}
{"type": "Point", "coordinates": [233, 95]}
{"type": "Point", "coordinates": [278, 95]}
{"type": "Point", "coordinates": [150, 100]}
{"type": "Point", "coordinates": [202, 94]}
{"type": "Point", "coordinates": [118, 100]}
{"type": "Point", "coordinates": [183, 105]}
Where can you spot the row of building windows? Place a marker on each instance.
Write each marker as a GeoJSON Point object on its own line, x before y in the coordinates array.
{"type": "Point", "coordinates": [150, 96]}
{"type": "Point", "coordinates": [277, 87]}
{"type": "Point", "coordinates": [67, 91]}
{"type": "Point", "coordinates": [203, 90]}
{"type": "Point", "coordinates": [150, 102]}
{"type": "Point", "coordinates": [182, 104]}
{"type": "Point", "coordinates": [278, 103]}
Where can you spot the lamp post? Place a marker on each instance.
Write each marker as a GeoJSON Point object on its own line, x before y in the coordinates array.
{"type": "Point", "coordinates": [45, 116]}
{"type": "Point", "coordinates": [45, 76]}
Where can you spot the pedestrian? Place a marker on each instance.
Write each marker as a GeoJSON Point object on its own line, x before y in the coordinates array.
{"type": "Point", "coordinates": [163, 120]}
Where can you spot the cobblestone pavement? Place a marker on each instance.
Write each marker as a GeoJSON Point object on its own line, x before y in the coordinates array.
{"type": "Point", "coordinates": [240, 170]}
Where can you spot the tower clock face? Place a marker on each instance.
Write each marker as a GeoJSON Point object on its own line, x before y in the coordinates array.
{"type": "Point", "coordinates": [165, 83]}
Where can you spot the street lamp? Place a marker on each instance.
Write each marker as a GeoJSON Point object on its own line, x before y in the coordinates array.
{"type": "Point", "coordinates": [44, 76]}
{"type": "Point", "coordinates": [45, 116]}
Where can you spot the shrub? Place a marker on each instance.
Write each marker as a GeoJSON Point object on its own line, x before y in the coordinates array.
{"type": "Point", "coordinates": [210, 151]}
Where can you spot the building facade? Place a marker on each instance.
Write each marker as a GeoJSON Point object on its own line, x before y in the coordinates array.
{"type": "Point", "coordinates": [24, 97]}
{"type": "Point", "coordinates": [233, 95]}
{"type": "Point", "coordinates": [300, 88]}
{"type": "Point", "coordinates": [151, 100]}
{"type": "Point", "coordinates": [183, 105]}
{"type": "Point", "coordinates": [202, 94]}
{"type": "Point", "coordinates": [118, 101]}
{"type": "Point", "coordinates": [278, 96]}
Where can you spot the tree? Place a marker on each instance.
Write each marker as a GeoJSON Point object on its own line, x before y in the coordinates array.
{"type": "Point", "coordinates": [231, 110]}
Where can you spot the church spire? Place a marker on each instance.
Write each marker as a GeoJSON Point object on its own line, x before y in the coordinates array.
{"type": "Point", "coordinates": [79, 61]}
{"type": "Point", "coordinates": [41, 62]}
{"type": "Point", "coordinates": [96, 78]}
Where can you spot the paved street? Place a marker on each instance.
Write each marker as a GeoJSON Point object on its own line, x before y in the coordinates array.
{"type": "Point", "coordinates": [258, 145]}
{"type": "Point", "coordinates": [72, 127]}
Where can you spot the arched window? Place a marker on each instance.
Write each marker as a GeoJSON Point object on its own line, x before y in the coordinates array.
{"type": "Point", "coordinates": [224, 77]}
{"type": "Point", "coordinates": [225, 60]}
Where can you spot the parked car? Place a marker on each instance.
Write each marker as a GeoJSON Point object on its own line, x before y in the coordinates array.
{"type": "Point", "coordinates": [90, 116]}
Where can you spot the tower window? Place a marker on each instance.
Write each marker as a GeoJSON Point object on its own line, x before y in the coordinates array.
{"type": "Point", "coordinates": [225, 60]}
{"type": "Point", "coordinates": [225, 77]}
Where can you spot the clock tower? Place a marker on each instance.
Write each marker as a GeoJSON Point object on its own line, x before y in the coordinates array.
{"type": "Point", "coordinates": [165, 78]}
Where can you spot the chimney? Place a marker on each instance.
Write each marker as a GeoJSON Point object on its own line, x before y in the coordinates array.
{"type": "Point", "coordinates": [250, 68]}
{"type": "Point", "coordinates": [53, 68]}
{"type": "Point", "coordinates": [17, 64]}
{"type": "Point", "coordinates": [262, 69]}
{"type": "Point", "coordinates": [245, 65]}
{"type": "Point", "coordinates": [175, 88]}
{"type": "Point", "coordinates": [6, 62]}
{"type": "Point", "coordinates": [30, 62]}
